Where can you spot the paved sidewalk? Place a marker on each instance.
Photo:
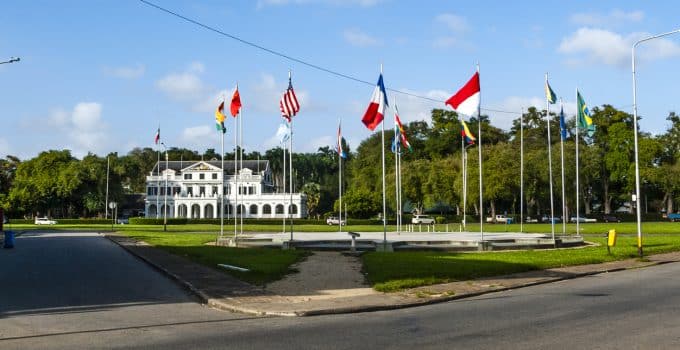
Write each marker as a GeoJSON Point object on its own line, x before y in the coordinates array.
{"type": "Point", "coordinates": [222, 291]}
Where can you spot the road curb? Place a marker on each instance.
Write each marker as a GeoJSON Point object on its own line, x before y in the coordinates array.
{"type": "Point", "coordinates": [222, 305]}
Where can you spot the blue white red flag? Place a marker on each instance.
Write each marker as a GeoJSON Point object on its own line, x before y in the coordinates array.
{"type": "Point", "coordinates": [375, 113]}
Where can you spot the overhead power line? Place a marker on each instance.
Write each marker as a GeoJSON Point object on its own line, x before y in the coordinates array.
{"type": "Point", "coordinates": [297, 60]}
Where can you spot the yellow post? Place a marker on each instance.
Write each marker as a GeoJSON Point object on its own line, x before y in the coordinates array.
{"type": "Point", "coordinates": [611, 240]}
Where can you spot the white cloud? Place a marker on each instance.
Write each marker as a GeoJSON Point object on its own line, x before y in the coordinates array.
{"type": "Point", "coordinates": [613, 18]}
{"type": "Point", "coordinates": [83, 128]}
{"type": "Point", "coordinates": [87, 116]}
{"type": "Point", "coordinates": [200, 137]}
{"type": "Point", "coordinates": [454, 27]}
{"type": "Point", "coordinates": [412, 108]}
{"type": "Point", "coordinates": [610, 48]}
{"type": "Point", "coordinates": [196, 67]}
{"type": "Point", "coordinates": [356, 37]}
{"type": "Point", "coordinates": [453, 22]}
{"type": "Point", "coordinates": [184, 86]}
{"type": "Point", "coordinates": [133, 72]}
{"type": "Point", "coordinates": [314, 144]}
{"type": "Point", "coordinates": [268, 92]}
{"type": "Point", "coordinates": [181, 86]}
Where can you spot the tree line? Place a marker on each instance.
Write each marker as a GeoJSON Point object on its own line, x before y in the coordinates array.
{"type": "Point", "coordinates": [55, 183]}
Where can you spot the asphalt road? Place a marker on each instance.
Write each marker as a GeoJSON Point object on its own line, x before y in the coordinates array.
{"type": "Point", "coordinates": [84, 292]}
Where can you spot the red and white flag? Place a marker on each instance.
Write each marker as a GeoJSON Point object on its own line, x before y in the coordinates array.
{"type": "Point", "coordinates": [157, 138]}
{"type": "Point", "coordinates": [289, 104]}
{"type": "Point", "coordinates": [466, 100]}
{"type": "Point", "coordinates": [376, 109]}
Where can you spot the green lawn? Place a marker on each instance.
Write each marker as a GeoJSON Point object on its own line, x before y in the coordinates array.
{"type": "Point", "coordinates": [395, 271]}
{"type": "Point", "coordinates": [265, 264]}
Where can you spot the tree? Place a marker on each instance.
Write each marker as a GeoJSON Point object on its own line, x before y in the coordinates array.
{"type": "Point", "coordinates": [312, 191]}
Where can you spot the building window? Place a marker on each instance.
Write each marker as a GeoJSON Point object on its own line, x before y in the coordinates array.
{"type": "Point", "coordinates": [176, 190]}
{"type": "Point", "coordinates": [253, 209]}
{"type": "Point", "coordinates": [214, 190]}
{"type": "Point", "coordinates": [214, 176]}
{"type": "Point", "coordinates": [227, 190]}
{"type": "Point", "coordinates": [187, 176]}
{"type": "Point", "coordinates": [292, 209]}
{"type": "Point", "coordinates": [201, 176]}
{"type": "Point", "coordinates": [201, 190]}
{"type": "Point", "coordinates": [190, 191]}
{"type": "Point", "coordinates": [279, 208]}
{"type": "Point", "coordinates": [266, 209]}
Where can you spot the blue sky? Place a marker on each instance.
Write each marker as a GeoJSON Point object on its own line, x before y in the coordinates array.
{"type": "Point", "coordinates": [100, 76]}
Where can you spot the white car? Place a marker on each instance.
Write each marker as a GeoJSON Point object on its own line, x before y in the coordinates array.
{"type": "Point", "coordinates": [422, 219]}
{"type": "Point", "coordinates": [44, 221]}
{"type": "Point", "coordinates": [333, 220]}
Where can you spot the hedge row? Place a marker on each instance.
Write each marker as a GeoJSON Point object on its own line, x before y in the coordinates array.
{"type": "Point", "coordinates": [65, 221]}
{"type": "Point", "coordinates": [185, 221]}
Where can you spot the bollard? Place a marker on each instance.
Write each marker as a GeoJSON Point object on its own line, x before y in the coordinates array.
{"type": "Point", "coordinates": [611, 240]}
{"type": "Point", "coordinates": [9, 240]}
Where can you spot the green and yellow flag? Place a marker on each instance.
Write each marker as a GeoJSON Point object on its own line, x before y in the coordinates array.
{"type": "Point", "coordinates": [585, 121]}
{"type": "Point", "coordinates": [549, 93]}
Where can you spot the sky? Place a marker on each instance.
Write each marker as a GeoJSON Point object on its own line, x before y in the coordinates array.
{"type": "Point", "coordinates": [102, 76]}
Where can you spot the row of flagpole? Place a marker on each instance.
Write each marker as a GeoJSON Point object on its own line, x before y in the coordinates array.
{"type": "Point", "coordinates": [466, 101]}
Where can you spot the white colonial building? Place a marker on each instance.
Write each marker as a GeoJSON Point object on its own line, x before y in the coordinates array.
{"type": "Point", "coordinates": [194, 190]}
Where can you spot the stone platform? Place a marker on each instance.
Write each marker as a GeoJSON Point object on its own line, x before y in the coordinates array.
{"type": "Point", "coordinates": [405, 241]}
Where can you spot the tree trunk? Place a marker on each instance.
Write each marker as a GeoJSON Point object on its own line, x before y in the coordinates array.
{"type": "Point", "coordinates": [668, 197]}
{"type": "Point", "coordinates": [607, 197]}
{"type": "Point", "coordinates": [493, 209]}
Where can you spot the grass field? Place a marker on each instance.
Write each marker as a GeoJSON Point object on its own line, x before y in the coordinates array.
{"type": "Point", "coordinates": [265, 265]}
{"type": "Point", "coordinates": [586, 228]}
{"type": "Point", "coordinates": [399, 270]}
{"type": "Point", "coordinates": [395, 271]}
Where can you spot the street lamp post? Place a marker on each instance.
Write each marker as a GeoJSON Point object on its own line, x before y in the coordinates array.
{"type": "Point", "coordinates": [165, 197]}
{"type": "Point", "coordinates": [635, 138]}
{"type": "Point", "coordinates": [11, 60]}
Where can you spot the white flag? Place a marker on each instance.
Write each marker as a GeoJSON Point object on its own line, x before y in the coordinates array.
{"type": "Point", "coordinates": [283, 134]}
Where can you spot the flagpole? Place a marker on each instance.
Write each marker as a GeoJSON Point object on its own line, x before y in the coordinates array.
{"type": "Point", "coordinates": [399, 208]}
{"type": "Point", "coordinates": [290, 177]}
{"type": "Point", "coordinates": [396, 143]}
{"type": "Point", "coordinates": [382, 148]}
{"type": "Point", "coordinates": [158, 181]}
{"type": "Point", "coordinates": [340, 176]}
{"type": "Point", "coordinates": [479, 151]}
{"type": "Point", "coordinates": [577, 170]}
{"type": "Point", "coordinates": [240, 121]}
{"type": "Point", "coordinates": [564, 201]}
{"type": "Point", "coordinates": [521, 172]}
{"type": "Point", "coordinates": [552, 202]}
{"type": "Point", "coordinates": [106, 201]}
{"type": "Point", "coordinates": [236, 173]}
{"type": "Point", "coordinates": [222, 190]}
{"type": "Point", "coordinates": [463, 150]}
{"type": "Point", "coordinates": [283, 145]}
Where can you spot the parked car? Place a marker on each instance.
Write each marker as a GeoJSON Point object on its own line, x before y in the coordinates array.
{"type": "Point", "coordinates": [546, 218]}
{"type": "Point", "coordinates": [610, 218]}
{"type": "Point", "coordinates": [531, 220]}
{"type": "Point", "coordinates": [673, 217]}
{"type": "Point", "coordinates": [499, 218]}
{"type": "Point", "coordinates": [44, 221]}
{"type": "Point", "coordinates": [581, 219]}
{"type": "Point", "coordinates": [334, 220]}
{"type": "Point", "coordinates": [122, 221]}
{"type": "Point", "coordinates": [422, 219]}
